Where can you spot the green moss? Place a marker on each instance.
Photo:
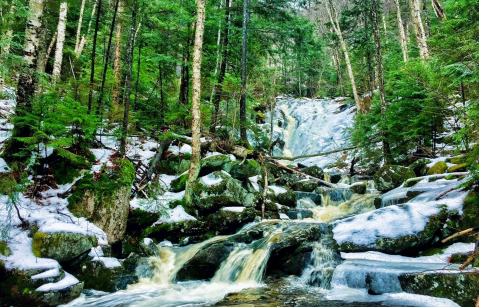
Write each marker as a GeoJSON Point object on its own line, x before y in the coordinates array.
{"type": "Point", "coordinates": [459, 160]}
{"type": "Point", "coordinates": [432, 179]}
{"type": "Point", "coordinates": [470, 211]}
{"type": "Point", "coordinates": [438, 168]}
{"type": "Point", "coordinates": [419, 167]}
{"type": "Point", "coordinates": [61, 246]}
{"type": "Point", "coordinates": [179, 184]}
{"type": "Point", "coordinates": [411, 182]}
{"type": "Point", "coordinates": [68, 167]}
{"type": "Point", "coordinates": [4, 250]}
{"type": "Point", "coordinates": [458, 168]}
{"type": "Point", "coordinates": [138, 220]}
{"type": "Point", "coordinates": [389, 177]}
{"type": "Point", "coordinates": [451, 177]}
{"type": "Point", "coordinates": [104, 188]}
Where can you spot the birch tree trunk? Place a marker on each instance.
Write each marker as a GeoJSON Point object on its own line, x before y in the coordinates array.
{"type": "Point", "coordinates": [419, 28]}
{"type": "Point", "coordinates": [57, 64]}
{"type": "Point", "coordinates": [196, 112]}
{"type": "Point", "coordinates": [117, 60]}
{"type": "Point", "coordinates": [380, 75]}
{"type": "Point", "coordinates": [402, 33]}
{"type": "Point", "coordinates": [80, 19]}
{"type": "Point", "coordinates": [83, 38]}
{"type": "Point", "coordinates": [337, 29]}
{"type": "Point", "coordinates": [42, 61]}
{"type": "Point", "coordinates": [244, 44]}
{"type": "Point", "coordinates": [438, 9]}
{"type": "Point", "coordinates": [218, 49]}
{"type": "Point", "coordinates": [26, 82]}
{"type": "Point", "coordinates": [218, 89]}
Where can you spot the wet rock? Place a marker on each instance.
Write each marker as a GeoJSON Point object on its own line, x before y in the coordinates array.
{"type": "Point", "coordinates": [306, 200]}
{"type": "Point", "coordinates": [219, 190]}
{"type": "Point", "coordinates": [138, 220]}
{"type": "Point", "coordinates": [412, 182]}
{"type": "Point", "coordinates": [206, 262]}
{"type": "Point", "coordinates": [299, 214]}
{"type": "Point", "coordinates": [291, 264]}
{"type": "Point", "coordinates": [392, 176]}
{"type": "Point", "coordinates": [62, 246]}
{"type": "Point", "coordinates": [459, 287]}
{"type": "Point", "coordinates": [438, 168]}
{"type": "Point", "coordinates": [314, 171]}
{"type": "Point", "coordinates": [333, 177]}
{"type": "Point", "coordinates": [149, 248]}
{"type": "Point", "coordinates": [176, 232]}
{"type": "Point", "coordinates": [420, 167]}
{"type": "Point", "coordinates": [228, 222]}
{"type": "Point", "coordinates": [96, 275]}
{"type": "Point", "coordinates": [359, 187]}
{"type": "Point", "coordinates": [305, 185]}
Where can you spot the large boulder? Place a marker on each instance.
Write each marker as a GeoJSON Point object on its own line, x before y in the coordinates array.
{"type": "Point", "coordinates": [229, 221]}
{"type": "Point", "coordinates": [244, 169]}
{"type": "Point", "coordinates": [62, 246]}
{"type": "Point", "coordinates": [179, 184]}
{"type": "Point", "coordinates": [104, 199]}
{"type": "Point", "coordinates": [287, 198]}
{"type": "Point", "coordinates": [462, 287]}
{"type": "Point", "coordinates": [174, 165]}
{"type": "Point", "coordinates": [185, 232]}
{"type": "Point", "coordinates": [215, 163]}
{"type": "Point", "coordinates": [438, 168]}
{"type": "Point", "coordinates": [218, 190]}
{"type": "Point", "coordinates": [392, 176]}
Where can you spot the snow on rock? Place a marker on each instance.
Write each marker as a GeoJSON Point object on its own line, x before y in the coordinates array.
{"type": "Point", "coordinates": [254, 182]}
{"type": "Point", "coordinates": [156, 205]}
{"type": "Point", "coordinates": [66, 282]}
{"type": "Point", "coordinates": [277, 190]}
{"type": "Point", "coordinates": [211, 179]}
{"type": "Point", "coordinates": [3, 166]}
{"type": "Point", "coordinates": [64, 227]}
{"type": "Point", "coordinates": [176, 215]}
{"type": "Point", "coordinates": [233, 209]}
{"type": "Point", "coordinates": [109, 262]}
{"type": "Point", "coordinates": [47, 274]}
{"type": "Point", "coordinates": [400, 220]}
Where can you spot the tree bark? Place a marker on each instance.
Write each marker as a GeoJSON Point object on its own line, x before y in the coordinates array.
{"type": "Point", "coordinates": [218, 89]}
{"type": "Point", "coordinates": [117, 64]}
{"type": "Point", "coordinates": [438, 9]}
{"type": "Point", "coordinates": [105, 68]}
{"type": "Point", "coordinates": [57, 64]}
{"type": "Point", "coordinates": [402, 33]}
{"type": "Point", "coordinates": [218, 49]}
{"type": "Point", "coordinates": [244, 45]}
{"type": "Point", "coordinates": [129, 71]}
{"type": "Point", "coordinates": [80, 20]}
{"type": "Point", "coordinates": [382, 91]}
{"type": "Point", "coordinates": [196, 112]}
{"type": "Point", "coordinates": [42, 61]}
{"type": "Point", "coordinates": [419, 28]}
{"type": "Point", "coordinates": [83, 38]}
{"type": "Point", "coordinates": [337, 29]}
{"type": "Point", "coordinates": [93, 55]}
{"type": "Point", "coordinates": [26, 82]}
{"type": "Point", "coordinates": [135, 106]}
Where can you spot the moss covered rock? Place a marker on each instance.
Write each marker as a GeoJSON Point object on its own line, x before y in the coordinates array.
{"type": "Point", "coordinates": [228, 222]}
{"type": "Point", "coordinates": [460, 288]}
{"type": "Point", "coordinates": [306, 185]}
{"type": "Point", "coordinates": [66, 167]}
{"type": "Point", "coordinates": [61, 246]}
{"type": "Point", "coordinates": [218, 190]}
{"type": "Point", "coordinates": [458, 168]}
{"type": "Point", "coordinates": [215, 163]}
{"type": "Point", "coordinates": [138, 220]}
{"type": "Point", "coordinates": [412, 182]}
{"type": "Point", "coordinates": [438, 168]}
{"type": "Point", "coordinates": [174, 165]}
{"type": "Point", "coordinates": [4, 250]}
{"type": "Point", "coordinates": [390, 177]}
{"type": "Point", "coordinates": [287, 199]}
{"type": "Point", "coordinates": [314, 171]}
{"type": "Point", "coordinates": [359, 187]}
{"type": "Point", "coordinates": [195, 231]}
{"type": "Point", "coordinates": [420, 167]}
{"type": "Point", "coordinates": [459, 160]}
{"type": "Point", "coordinates": [179, 184]}
{"type": "Point", "coordinates": [243, 170]}
{"type": "Point", "coordinates": [470, 207]}
{"type": "Point", "coordinates": [105, 199]}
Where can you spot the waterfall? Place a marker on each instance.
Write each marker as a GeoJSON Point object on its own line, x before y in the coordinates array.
{"type": "Point", "coordinates": [320, 272]}
{"type": "Point", "coordinates": [356, 205]}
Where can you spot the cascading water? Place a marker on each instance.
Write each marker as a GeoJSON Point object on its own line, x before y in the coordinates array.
{"type": "Point", "coordinates": [320, 272]}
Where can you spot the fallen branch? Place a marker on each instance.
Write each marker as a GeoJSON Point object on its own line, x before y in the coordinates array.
{"type": "Point", "coordinates": [468, 261]}
{"type": "Point", "coordinates": [212, 145]}
{"type": "Point", "coordinates": [460, 234]}
{"type": "Point", "coordinates": [293, 171]}
{"type": "Point", "coordinates": [314, 155]}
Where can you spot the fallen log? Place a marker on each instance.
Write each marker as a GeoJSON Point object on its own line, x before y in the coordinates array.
{"type": "Point", "coordinates": [313, 155]}
{"type": "Point", "coordinates": [211, 145]}
{"type": "Point", "coordinates": [293, 171]}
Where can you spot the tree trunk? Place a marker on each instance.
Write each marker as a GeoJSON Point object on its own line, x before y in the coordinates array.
{"type": "Point", "coordinates": [42, 61]}
{"type": "Point", "coordinates": [438, 9]}
{"type": "Point", "coordinates": [335, 23]}
{"type": "Point", "coordinates": [26, 82]}
{"type": "Point", "coordinates": [57, 64]}
{"type": "Point", "coordinates": [93, 55]}
{"type": "Point", "coordinates": [80, 20]}
{"type": "Point", "coordinates": [218, 49]}
{"type": "Point", "coordinates": [83, 38]}
{"type": "Point", "coordinates": [117, 65]}
{"type": "Point", "coordinates": [218, 89]}
{"type": "Point", "coordinates": [161, 111]}
{"type": "Point", "coordinates": [244, 45]}
{"type": "Point", "coordinates": [129, 71]}
{"type": "Point", "coordinates": [382, 90]}
{"type": "Point", "coordinates": [105, 68]}
{"type": "Point", "coordinates": [135, 105]}
{"type": "Point", "coordinates": [196, 112]}
{"type": "Point", "coordinates": [419, 28]}
{"type": "Point", "coordinates": [427, 23]}
{"type": "Point", "coordinates": [402, 33]}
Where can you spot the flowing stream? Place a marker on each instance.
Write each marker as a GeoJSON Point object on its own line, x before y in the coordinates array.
{"type": "Point", "coordinates": [306, 126]}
